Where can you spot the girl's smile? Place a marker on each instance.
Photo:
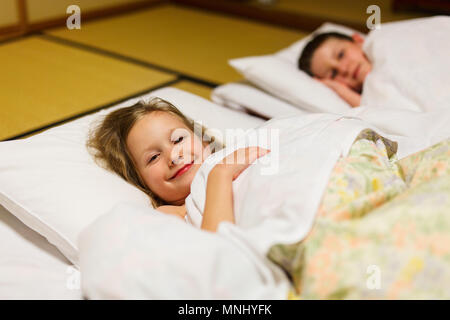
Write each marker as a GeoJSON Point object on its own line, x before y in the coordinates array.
{"type": "Point", "coordinates": [182, 170]}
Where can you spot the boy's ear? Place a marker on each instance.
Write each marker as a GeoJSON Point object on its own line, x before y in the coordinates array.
{"type": "Point", "coordinates": [357, 38]}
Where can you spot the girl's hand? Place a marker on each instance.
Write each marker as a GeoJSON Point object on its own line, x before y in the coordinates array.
{"type": "Point", "coordinates": [235, 163]}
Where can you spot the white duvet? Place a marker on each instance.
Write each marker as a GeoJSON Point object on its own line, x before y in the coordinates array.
{"type": "Point", "coordinates": [130, 254]}
{"type": "Point", "coordinates": [411, 65]}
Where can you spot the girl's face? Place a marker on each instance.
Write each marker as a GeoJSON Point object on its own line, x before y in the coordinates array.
{"type": "Point", "coordinates": [342, 60]}
{"type": "Point", "coordinates": [167, 154]}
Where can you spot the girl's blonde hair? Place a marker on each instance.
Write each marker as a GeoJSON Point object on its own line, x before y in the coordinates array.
{"type": "Point", "coordinates": [107, 140]}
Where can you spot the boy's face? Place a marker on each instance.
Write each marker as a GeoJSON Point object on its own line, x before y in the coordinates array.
{"type": "Point", "coordinates": [341, 60]}
{"type": "Point", "coordinates": [167, 154]}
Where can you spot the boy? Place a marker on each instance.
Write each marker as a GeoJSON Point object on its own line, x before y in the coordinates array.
{"type": "Point", "coordinates": [338, 61]}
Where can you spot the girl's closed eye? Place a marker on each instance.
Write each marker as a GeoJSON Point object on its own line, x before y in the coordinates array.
{"type": "Point", "coordinates": [179, 140]}
{"type": "Point", "coordinates": [152, 158]}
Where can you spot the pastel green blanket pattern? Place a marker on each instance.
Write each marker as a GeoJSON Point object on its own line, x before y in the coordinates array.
{"type": "Point", "coordinates": [382, 230]}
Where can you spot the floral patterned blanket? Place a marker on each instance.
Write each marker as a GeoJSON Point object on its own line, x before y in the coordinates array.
{"type": "Point", "coordinates": [382, 230]}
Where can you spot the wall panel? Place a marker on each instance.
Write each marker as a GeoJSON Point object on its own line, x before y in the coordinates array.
{"type": "Point", "coordinates": [8, 13]}
{"type": "Point", "coordinates": [42, 10]}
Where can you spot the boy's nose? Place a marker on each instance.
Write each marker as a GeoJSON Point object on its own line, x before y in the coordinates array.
{"type": "Point", "coordinates": [343, 69]}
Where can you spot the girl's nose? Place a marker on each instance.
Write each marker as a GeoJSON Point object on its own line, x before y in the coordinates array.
{"type": "Point", "coordinates": [177, 160]}
{"type": "Point", "coordinates": [176, 156]}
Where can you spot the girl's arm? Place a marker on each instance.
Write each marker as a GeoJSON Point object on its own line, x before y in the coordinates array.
{"type": "Point", "coordinates": [219, 200]}
{"type": "Point", "coordinates": [219, 191]}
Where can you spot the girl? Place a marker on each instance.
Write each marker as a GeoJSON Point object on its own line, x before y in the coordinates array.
{"type": "Point", "coordinates": [156, 148]}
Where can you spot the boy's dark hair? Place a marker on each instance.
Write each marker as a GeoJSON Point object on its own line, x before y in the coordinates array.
{"type": "Point", "coordinates": [304, 61]}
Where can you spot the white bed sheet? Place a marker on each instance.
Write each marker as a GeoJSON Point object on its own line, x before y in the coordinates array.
{"type": "Point", "coordinates": [31, 267]}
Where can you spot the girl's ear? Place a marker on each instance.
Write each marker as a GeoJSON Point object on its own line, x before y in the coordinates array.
{"type": "Point", "coordinates": [358, 39]}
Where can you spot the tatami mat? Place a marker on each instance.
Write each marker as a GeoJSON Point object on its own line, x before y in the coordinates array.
{"type": "Point", "coordinates": [44, 82]}
{"type": "Point", "coordinates": [197, 43]}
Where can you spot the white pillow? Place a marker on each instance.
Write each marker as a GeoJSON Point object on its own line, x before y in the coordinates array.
{"type": "Point", "coordinates": [50, 182]}
{"type": "Point", "coordinates": [278, 74]}
{"type": "Point", "coordinates": [245, 97]}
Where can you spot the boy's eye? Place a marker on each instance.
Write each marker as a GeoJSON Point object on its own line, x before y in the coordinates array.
{"type": "Point", "coordinates": [340, 54]}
